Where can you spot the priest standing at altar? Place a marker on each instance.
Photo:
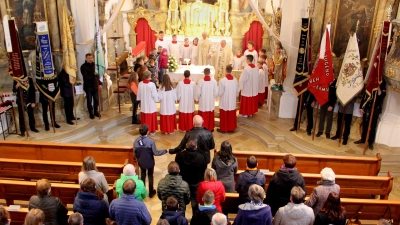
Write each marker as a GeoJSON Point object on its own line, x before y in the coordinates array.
{"type": "Point", "coordinates": [221, 59]}
{"type": "Point", "coordinates": [248, 84]}
{"type": "Point", "coordinates": [207, 91]}
{"type": "Point", "coordinates": [204, 50]}
{"type": "Point", "coordinates": [161, 42]}
{"type": "Point", "coordinates": [228, 90]}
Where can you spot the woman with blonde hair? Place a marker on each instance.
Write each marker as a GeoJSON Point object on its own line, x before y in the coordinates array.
{"type": "Point", "coordinates": [34, 217]}
{"type": "Point", "coordinates": [168, 98]}
{"type": "Point", "coordinates": [132, 84]}
{"type": "Point", "coordinates": [211, 183]}
{"type": "Point", "coordinates": [89, 170]}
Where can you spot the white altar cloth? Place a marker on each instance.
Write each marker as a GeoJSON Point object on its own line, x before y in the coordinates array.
{"type": "Point", "coordinates": [196, 73]}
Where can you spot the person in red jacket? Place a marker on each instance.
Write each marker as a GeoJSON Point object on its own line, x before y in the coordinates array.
{"type": "Point", "coordinates": [211, 183]}
{"type": "Point", "coordinates": [163, 64]}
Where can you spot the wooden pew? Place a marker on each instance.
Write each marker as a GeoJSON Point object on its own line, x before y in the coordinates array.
{"type": "Point", "coordinates": [11, 190]}
{"type": "Point", "coordinates": [18, 217]}
{"type": "Point", "coordinates": [307, 163]}
{"type": "Point", "coordinates": [113, 154]}
{"type": "Point", "coordinates": [54, 170]}
{"type": "Point", "coordinates": [350, 186]}
{"type": "Point", "coordinates": [371, 209]}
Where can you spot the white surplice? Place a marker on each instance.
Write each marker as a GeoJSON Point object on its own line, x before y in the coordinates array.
{"type": "Point", "coordinates": [185, 95]}
{"type": "Point", "coordinates": [221, 59]}
{"type": "Point", "coordinates": [206, 92]}
{"type": "Point", "coordinates": [261, 81]}
{"type": "Point", "coordinates": [148, 96]}
{"type": "Point", "coordinates": [228, 90]}
{"type": "Point", "coordinates": [186, 53]}
{"type": "Point", "coordinates": [238, 63]}
{"type": "Point", "coordinates": [176, 51]}
{"type": "Point", "coordinates": [194, 54]}
{"type": "Point", "coordinates": [204, 51]}
{"type": "Point", "coordinates": [163, 44]}
{"type": "Point", "coordinates": [248, 82]}
{"type": "Point", "coordinates": [167, 101]}
{"type": "Point", "coordinates": [253, 53]}
{"type": "Point", "coordinates": [266, 79]}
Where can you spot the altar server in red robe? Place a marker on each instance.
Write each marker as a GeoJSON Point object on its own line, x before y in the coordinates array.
{"type": "Point", "coordinates": [207, 91]}
{"type": "Point", "coordinates": [148, 96]}
{"type": "Point", "coordinates": [186, 91]}
{"type": "Point", "coordinates": [167, 96]}
{"type": "Point", "coordinates": [228, 90]}
{"type": "Point", "coordinates": [248, 84]}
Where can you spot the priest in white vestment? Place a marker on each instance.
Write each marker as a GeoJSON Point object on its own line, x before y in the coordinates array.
{"type": "Point", "coordinates": [186, 91]}
{"type": "Point", "coordinates": [207, 91]}
{"type": "Point", "coordinates": [248, 84]}
{"type": "Point", "coordinates": [161, 42]}
{"type": "Point", "coordinates": [148, 96]}
{"type": "Point", "coordinates": [228, 90]}
{"type": "Point", "coordinates": [204, 51]}
{"type": "Point", "coordinates": [261, 83]}
{"type": "Point", "coordinates": [251, 51]}
{"type": "Point", "coordinates": [168, 98]}
{"type": "Point", "coordinates": [221, 59]}
{"type": "Point", "coordinates": [194, 51]}
{"type": "Point", "coordinates": [175, 49]}
{"type": "Point", "coordinates": [186, 51]}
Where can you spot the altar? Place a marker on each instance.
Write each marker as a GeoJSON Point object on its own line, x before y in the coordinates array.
{"type": "Point", "coordinates": [196, 73]}
{"type": "Point", "coordinates": [215, 41]}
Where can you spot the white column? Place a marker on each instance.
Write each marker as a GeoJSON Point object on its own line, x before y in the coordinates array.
{"type": "Point", "coordinates": [388, 129]}
{"type": "Point", "coordinates": [292, 13]}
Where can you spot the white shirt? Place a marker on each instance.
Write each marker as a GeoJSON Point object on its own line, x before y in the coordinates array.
{"type": "Point", "coordinates": [194, 54]}
{"type": "Point", "coordinates": [185, 95]}
{"type": "Point", "coordinates": [206, 92]}
{"type": "Point", "coordinates": [266, 79]}
{"type": "Point", "coordinates": [163, 44]}
{"type": "Point", "coordinates": [261, 81]}
{"type": "Point", "coordinates": [167, 101]}
{"type": "Point", "coordinates": [176, 51]}
{"type": "Point", "coordinates": [253, 53]}
{"type": "Point", "coordinates": [248, 82]}
{"type": "Point", "coordinates": [237, 63]}
{"type": "Point", "coordinates": [186, 53]}
{"type": "Point", "coordinates": [228, 90]}
{"type": "Point", "coordinates": [147, 95]}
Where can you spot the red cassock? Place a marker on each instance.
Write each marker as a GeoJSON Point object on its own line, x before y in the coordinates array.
{"type": "Point", "coordinates": [208, 118]}
{"type": "Point", "coordinates": [227, 120]}
{"type": "Point", "coordinates": [185, 121]}
{"type": "Point", "coordinates": [261, 98]}
{"type": "Point", "coordinates": [167, 123]}
{"type": "Point", "coordinates": [151, 120]}
{"type": "Point", "coordinates": [248, 105]}
{"type": "Point", "coordinates": [266, 92]}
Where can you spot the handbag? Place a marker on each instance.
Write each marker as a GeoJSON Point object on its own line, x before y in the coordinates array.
{"type": "Point", "coordinates": [383, 221]}
{"type": "Point", "coordinates": [354, 219]}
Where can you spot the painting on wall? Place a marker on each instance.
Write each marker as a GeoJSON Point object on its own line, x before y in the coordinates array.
{"type": "Point", "coordinates": [354, 16]}
{"type": "Point", "coordinates": [26, 12]}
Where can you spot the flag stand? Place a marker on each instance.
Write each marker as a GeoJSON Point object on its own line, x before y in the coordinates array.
{"type": "Point", "coordinates": [23, 110]}
{"type": "Point", "coordinates": [299, 113]}
{"type": "Point", "coordinates": [342, 126]}
{"type": "Point", "coordinates": [369, 124]}
{"type": "Point", "coordinates": [316, 118]}
{"type": "Point", "coordinates": [51, 115]}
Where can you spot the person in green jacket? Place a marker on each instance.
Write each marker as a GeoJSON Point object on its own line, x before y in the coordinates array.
{"type": "Point", "coordinates": [129, 173]}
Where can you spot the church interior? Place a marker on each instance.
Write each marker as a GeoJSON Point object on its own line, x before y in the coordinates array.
{"type": "Point", "coordinates": [129, 29]}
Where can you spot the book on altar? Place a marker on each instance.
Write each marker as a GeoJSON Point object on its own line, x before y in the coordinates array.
{"type": "Point", "coordinates": [13, 208]}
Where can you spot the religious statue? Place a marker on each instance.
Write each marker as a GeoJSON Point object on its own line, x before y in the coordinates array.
{"type": "Point", "coordinates": [173, 22]}
{"type": "Point", "coordinates": [280, 62]}
{"type": "Point", "coordinates": [277, 18]}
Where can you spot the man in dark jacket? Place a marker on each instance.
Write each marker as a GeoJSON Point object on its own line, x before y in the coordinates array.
{"type": "Point", "coordinates": [326, 111]}
{"type": "Point", "coordinates": [205, 139]}
{"type": "Point", "coordinates": [171, 213]}
{"type": "Point", "coordinates": [309, 103]}
{"type": "Point", "coordinates": [250, 176]}
{"type": "Point", "coordinates": [192, 164]}
{"type": "Point", "coordinates": [173, 185]}
{"type": "Point", "coordinates": [29, 102]}
{"type": "Point", "coordinates": [91, 85]}
{"type": "Point", "coordinates": [366, 110]}
{"type": "Point", "coordinates": [45, 101]}
{"type": "Point", "coordinates": [126, 210]}
{"type": "Point", "coordinates": [67, 92]}
{"type": "Point", "coordinates": [278, 192]}
{"type": "Point", "coordinates": [205, 212]}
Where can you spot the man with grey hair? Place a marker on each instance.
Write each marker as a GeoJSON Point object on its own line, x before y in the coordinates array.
{"type": "Point", "coordinates": [219, 219]}
{"type": "Point", "coordinates": [205, 139]}
{"type": "Point", "coordinates": [220, 59]}
{"type": "Point", "coordinates": [295, 212]}
{"type": "Point", "coordinates": [75, 219]}
{"type": "Point", "coordinates": [204, 50]}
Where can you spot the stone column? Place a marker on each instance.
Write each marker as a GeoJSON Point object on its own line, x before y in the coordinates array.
{"type": "Point", "coordinates": [235, 7]}
{"type": "Point", "coordinates": [163, 5]}
{"type": "Point", "coordinates": [237, 20]}
{"type": "Point", "coordinates": [132, 33]}
{"type": "Point", "coordinates": [53, 25]}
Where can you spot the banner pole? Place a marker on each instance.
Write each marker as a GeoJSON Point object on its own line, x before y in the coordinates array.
{"type": "Point", "coordinates": [73, 105]}
{"type": "Point", "coordinates": [342, 125]}
{"type": "Point", "coordinates": [299, 113]}
{"type": "Point", "coordinates": [369, 124]}
{"type": "Point", "coordinates": [51, 114]}
{"type": "Point", "coordinates": [23, 110]}
{"type": "Point", "coordinates": [315, 124]}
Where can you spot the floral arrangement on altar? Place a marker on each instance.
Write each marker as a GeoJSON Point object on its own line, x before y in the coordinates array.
{"type": "Point", "coordinates": [172, 64]}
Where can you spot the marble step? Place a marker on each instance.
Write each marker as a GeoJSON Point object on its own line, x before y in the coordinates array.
{"type": "Point", "coordinates": [255, 132]}
{"type": "Point", "coordinates": [92, 138]}
{"type": "Point", "coordinates": [117, 130]}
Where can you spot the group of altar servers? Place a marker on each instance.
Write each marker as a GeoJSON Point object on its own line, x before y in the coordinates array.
{"type": "Point", "coordinates": [251, 85]}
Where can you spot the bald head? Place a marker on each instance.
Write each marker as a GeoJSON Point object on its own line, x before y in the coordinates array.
{"type": "Point", "coordinates": [204, 35]}
{"type": "Point", "coordinates": [219, 219]}
{"type": "Point", "coordinates": [223, 43]}
{"type": "Point", "coordinates": [197, 121]}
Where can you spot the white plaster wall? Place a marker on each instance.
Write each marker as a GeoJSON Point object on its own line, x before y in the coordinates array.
{"type": "Point", "coordinates": [388, 130]}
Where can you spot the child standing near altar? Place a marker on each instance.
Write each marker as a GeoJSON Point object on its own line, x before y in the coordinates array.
{"type": "Point", "coordinates": [162, 65]}
{"type": "Point", "coordinates": [194, 51]}
{"type": "Point", "coordinates": [186, 52]}
{"type": "Point", "coordinates": [251, 51]}
{"type": "Point", "coordinates": [175, 49]}
{"type": "Point", "coordinates": [207, 91]}
{"type": "Point", "coordinates": [167, 96]}
{"type": "Point", "coordinates": [238, 61]}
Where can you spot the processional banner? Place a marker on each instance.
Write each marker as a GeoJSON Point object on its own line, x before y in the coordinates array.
{"type": "Point", "coordinates": [302, 73]}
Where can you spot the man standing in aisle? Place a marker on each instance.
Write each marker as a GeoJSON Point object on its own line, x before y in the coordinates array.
{"type": "Point", "coordinates": [29, 102]}
{"type": "Point", "coordinates": [309, 103]}
{"type": "Point", "coordinates": [248, 84]}
{"type": "Point", "coordinates": [221, 59]}
{"type": "Point", "coordinates": [91, 85]}
{"type": "Point", "coordinates": [207, 91]}
{"type": "Point", "coordinates": [228, 90]}
{"type": "Point", "coordinates": [326, 111]}
{"type": "Point", "coordinates": [204, 50]}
